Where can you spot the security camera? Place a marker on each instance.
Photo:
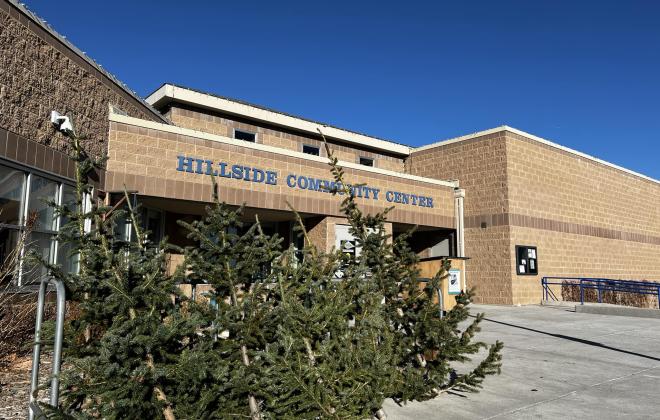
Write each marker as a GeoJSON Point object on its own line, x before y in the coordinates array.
{"type": "Point", "coordinates": [61, 122]}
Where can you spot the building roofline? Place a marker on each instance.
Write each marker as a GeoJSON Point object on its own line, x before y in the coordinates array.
{"type": "Point", "coordinates": [62, 39]}
{"type": "Point", "coordinates": [169, 92]}
{"type": "Point", "coordinates": [138, 122]}
{"type": "Point", "coordinates": [536, 139]}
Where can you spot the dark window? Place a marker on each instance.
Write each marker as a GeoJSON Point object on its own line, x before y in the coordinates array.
{"type": "Point", "coordinates": [11, 195]}
{"type": "Point", "coordinates": [42, 192]}
{"type": "Point", "coordinates": [526, 260]}
{"type": "Point", "coordinates": [311, 150]}
{"type": "Point", "coordinates": [244, 135]}
{"type": "Point", "coordinates": [366, 161]}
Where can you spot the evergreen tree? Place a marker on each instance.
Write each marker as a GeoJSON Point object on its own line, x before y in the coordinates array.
{"type": "Point", "coordinates": [275, 337]}
{"type": "Point", "coordinates": [319, 346]}
{"type": "Point", "coordinates": [128, 334]}
{"type": "Point", "coordinates": [426, 344]}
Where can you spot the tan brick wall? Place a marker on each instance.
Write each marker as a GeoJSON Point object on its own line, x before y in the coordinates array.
{"type": "Point", "coordinates": [146, 160]}
{"type": "Point", "coordinates": [224, 126]}
{"type": "Point", "coordinates": [549, 183]}
{"type": "Point", "coordinates": [592, 220]}
{"type": "Point", "coordinates": [488, 269]}
{"type": "Point", "coordinates": [321, 231]}
{"type": "Point", "coordinates": [39, 74]}
{"type": "Point", "coordinates": [480, 166]}
{"type": "Point", "coordinates": [587, 219]}
{"type": "Point", "coordinates": [571, 255]}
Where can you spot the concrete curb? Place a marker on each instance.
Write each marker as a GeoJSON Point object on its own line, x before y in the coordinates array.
{"type": "Point", "coordinates": [605, 309]}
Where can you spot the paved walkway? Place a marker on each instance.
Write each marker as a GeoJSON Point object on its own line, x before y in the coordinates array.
{"type": "Point", "coordinates": [559, 364]}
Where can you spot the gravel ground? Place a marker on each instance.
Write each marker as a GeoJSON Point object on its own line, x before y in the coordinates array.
{"type": "Point", "coordinates": [15, 385]}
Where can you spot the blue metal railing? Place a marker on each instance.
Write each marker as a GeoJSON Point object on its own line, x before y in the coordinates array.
{"type": "Point", "coordinates": [601, 286]}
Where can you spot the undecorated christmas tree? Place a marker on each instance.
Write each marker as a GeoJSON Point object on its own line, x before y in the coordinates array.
{"type": "Point", "coordinates": [331, 335]}
{"type": "Point", "coordinates": [128, 335]}
{"type": "Point", "coordinates": [281, 333]}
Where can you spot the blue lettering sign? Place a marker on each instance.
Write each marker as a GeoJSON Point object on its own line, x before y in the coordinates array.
{"type": "Point", "coordinates": [246, 173]}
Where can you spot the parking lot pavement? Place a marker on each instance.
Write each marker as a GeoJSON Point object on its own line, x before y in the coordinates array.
{"type": "Point", "coordinates": [559, 364]}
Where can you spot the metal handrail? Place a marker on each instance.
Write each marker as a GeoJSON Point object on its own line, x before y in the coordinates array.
{"type": "Point", "coordinates": [57, 347]}
{"type": "Point", "coordinates": [601, 285]}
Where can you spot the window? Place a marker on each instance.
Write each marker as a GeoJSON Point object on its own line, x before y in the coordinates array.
{"type": "Point", "coordinates": [311, 150]}
{"type": "Point", "coordinates": [42, 192]}
{"type": "Point", "coordinates": [43, 245]}
{"type": "Point", "coordinates": [244, 135]}
{"type": "Point", "coordinates": [366, 161]}
{"type": "Point", "coordinates": [25, 200]}
{"type": "Point", "coordinates": [11, 194]}
{"type": "Point", "coordinates": [9, 253]}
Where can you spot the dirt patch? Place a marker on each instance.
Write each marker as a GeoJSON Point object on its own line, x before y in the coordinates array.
{"type": "Point", "coordinates": [15, 385]}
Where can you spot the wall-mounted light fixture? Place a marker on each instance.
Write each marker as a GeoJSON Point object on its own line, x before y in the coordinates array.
{"type": "Point", "coordinates": [61, 122]}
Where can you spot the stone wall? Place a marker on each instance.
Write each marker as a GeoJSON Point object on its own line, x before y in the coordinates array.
{"type": "Point", "coordinates": [39, 73]}
{"type": "Point", "coordinates": [224, 125]}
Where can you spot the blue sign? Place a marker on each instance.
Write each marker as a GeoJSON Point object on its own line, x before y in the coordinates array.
{"type": "Point", "coordinates": [301, 182]}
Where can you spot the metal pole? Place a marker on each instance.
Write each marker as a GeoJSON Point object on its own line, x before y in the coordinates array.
{"type": "Point", "coordinates": [581, 294]}
{"type": "Point", "coordinates": [36, 352]}
{"type": "Point", "coordinates": [459, 195]}
{"type": "Point", "coordinates": [441, 302]}
{"type": "Point", "coordinates": [57, 350]}
{"type": "Point", "coordinates": [459, 198]}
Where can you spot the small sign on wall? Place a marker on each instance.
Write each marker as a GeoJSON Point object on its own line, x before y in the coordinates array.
{"type": "Point", "coordinates": [454, 282]}
{"type": "Point", "coordinates": [526, 260]}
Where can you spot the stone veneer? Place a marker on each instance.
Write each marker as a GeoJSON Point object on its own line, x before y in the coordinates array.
{"type": "Point", "coordinates": [39, 73]}
{"type": "Point", "coordinates": [587, 219]}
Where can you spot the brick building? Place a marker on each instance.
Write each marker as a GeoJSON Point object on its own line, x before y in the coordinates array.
{"type": "Point", "coordinates": [500, 196]}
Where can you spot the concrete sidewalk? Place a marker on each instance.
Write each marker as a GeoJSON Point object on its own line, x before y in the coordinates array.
{"type": "Point", "coordinates": [559, 364]}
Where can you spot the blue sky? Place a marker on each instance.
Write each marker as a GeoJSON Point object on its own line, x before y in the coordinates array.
{"type": "Point", "coordinates": [585, 74]}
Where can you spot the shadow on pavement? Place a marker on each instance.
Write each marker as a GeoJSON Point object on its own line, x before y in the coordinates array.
{"type": "Point", "coordinates": [575, 339]}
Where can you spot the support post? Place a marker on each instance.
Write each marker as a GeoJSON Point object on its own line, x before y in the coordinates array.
{"type": "Point", "coordinates": [57, 347]}
{"type": "Point", "coordinates": [459, 196]}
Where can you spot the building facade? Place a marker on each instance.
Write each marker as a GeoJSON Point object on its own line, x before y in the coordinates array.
{"type": "Point", "coordinates": [499, 197]}
{"type": "Point", "coordinates": [584, 217]}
